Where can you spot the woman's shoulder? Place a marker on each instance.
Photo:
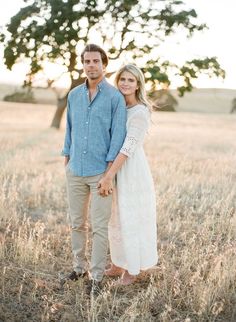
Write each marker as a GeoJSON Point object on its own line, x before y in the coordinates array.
{"type": "Point", "coordinates": [140, 115]}
{"type": "Point", "coordinates": [141, 109]}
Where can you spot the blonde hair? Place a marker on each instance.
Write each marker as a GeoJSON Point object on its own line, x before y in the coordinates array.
{"type": "Point", "coordinates": [140, 94]}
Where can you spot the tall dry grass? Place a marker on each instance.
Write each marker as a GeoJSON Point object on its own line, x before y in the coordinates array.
{"type": "Point", "coordinates": [193, 161]}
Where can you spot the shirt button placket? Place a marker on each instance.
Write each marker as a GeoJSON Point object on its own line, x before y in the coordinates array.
{"type": "Point", "coordinates": [86, 134]}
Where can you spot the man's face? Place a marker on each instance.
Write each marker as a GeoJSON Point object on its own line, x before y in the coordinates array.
{"type": "Point", "coordinates": [93, 66]}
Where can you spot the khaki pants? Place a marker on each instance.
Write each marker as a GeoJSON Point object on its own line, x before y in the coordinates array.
{"type": "Point", "coordinates": [79, 190]}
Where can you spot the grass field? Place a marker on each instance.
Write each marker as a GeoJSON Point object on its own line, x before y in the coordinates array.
{"type": "Point", "coordinates": [193, 161]}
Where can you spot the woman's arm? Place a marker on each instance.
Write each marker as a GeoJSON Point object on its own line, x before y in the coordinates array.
{"type": "Point", "coordinates": [105, 184]}
{"type": "Point", "coordinates": [137, 128]}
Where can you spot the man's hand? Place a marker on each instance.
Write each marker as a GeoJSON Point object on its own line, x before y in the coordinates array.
{"type": "Point", "coordinates": [105, 186]}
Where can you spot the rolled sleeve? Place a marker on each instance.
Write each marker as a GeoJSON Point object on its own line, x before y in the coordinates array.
{"type": "Point", "coordinates": [118, 127]}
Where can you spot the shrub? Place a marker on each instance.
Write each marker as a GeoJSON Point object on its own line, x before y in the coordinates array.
{"type": "Point", "coordinates": [20, 96]}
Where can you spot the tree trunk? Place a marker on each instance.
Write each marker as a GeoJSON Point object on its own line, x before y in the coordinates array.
{"type": "Point", "coordinates": [61, 106]}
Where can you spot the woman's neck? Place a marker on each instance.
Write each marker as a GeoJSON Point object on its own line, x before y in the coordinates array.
{"type": "Point", "coordinates": [131, 101]}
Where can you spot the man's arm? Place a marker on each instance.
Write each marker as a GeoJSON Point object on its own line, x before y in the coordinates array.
{"type": "Point", "coordinates": [67, 141]}
{"type": "Point", "coordinates": [118, 127]}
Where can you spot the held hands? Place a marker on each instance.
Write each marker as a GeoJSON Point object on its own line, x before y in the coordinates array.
{"type": "Point", "coordinates": [105, 186]}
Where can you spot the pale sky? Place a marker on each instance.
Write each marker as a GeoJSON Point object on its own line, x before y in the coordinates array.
{"type": "Point", "coordinates": [218, 41]}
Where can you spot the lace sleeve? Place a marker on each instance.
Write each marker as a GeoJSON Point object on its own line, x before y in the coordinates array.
{"type": "Point", "coordinates": [136, 131]}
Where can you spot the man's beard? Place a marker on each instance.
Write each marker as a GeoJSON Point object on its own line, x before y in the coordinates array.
{"type": "Point", "coordinates": [93, 75]}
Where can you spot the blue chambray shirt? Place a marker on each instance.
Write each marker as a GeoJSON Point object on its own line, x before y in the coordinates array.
{"type": "Point", "coordinates": [95, 130]}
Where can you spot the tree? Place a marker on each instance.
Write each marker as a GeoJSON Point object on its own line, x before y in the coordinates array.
{"type": "Point", "coordinates": [51, 31]}
{"type": "Point", "coordinates": [163, 100]}
{"type": "Point", "coordinates": [21, 96]}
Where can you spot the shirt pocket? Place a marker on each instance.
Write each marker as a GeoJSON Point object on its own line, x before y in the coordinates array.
{"type": "Point", "coordinates": [102, 114]}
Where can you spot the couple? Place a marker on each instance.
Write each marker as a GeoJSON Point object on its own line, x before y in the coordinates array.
{"type": "Point", "coordinates": [104, 160]}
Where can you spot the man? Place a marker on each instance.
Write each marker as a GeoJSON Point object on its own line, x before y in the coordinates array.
{"type": "Point", "coordinates": [95, 131]}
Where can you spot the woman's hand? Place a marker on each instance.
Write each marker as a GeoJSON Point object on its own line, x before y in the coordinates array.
{"type": "Point", "coordinates": [105, 186]}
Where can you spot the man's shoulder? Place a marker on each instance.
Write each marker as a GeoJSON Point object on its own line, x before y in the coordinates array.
{"type": "Point", "coordinates": [112, 89]}
{"type": "Point", "coordinates": [76, 90]}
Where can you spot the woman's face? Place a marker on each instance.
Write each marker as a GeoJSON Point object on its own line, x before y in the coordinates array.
{"type": "Point", "coordinates": [127, 84]}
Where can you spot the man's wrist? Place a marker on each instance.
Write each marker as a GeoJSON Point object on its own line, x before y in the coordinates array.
{"type": "Point", "coordinates": [66, 159]}
{"type": "Point", "coordinates": [109, 164]}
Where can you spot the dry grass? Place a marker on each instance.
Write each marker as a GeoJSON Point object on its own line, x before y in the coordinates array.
{"type": "Point", "coordinates": [193, 159]}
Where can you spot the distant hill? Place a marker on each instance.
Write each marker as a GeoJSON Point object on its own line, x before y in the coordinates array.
{"type": "Point", "coordinates": [206, 100]}
{"type": "Point", "coordinates": [201, 100]}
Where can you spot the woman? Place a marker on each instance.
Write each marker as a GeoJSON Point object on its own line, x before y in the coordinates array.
{"type": "Point", "coordinates": [132, 228]}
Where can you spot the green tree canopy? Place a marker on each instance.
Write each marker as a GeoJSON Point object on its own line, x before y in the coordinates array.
{"type": "Point", "coordinates": [51, 30]}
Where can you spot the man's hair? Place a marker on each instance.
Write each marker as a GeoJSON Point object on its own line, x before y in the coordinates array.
{"type": "Point", "coordinates": [95, 48]}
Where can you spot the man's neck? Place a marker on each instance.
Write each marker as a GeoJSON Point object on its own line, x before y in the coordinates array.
{"type": "Point", "coordinates": [93, 83]}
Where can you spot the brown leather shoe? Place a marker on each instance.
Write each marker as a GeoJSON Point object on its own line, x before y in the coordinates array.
{"type": "Point", "coordinates": [73, 276]}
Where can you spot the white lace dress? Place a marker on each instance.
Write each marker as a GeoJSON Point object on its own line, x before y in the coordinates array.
{"type": "Point", "coordinates": [132, 228]}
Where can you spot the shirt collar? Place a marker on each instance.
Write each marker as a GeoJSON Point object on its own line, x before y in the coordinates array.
{"type": "Point", "coordinates": [100, 85]}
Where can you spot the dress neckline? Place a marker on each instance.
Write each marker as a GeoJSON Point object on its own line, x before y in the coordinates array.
{"type": "Point", "coordinates": [134, 106]}
{"type": "Point", "coordinates": [129, 107]}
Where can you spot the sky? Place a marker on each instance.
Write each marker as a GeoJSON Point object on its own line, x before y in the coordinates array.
{"type": "Point", "coordinates": [217, 41]}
